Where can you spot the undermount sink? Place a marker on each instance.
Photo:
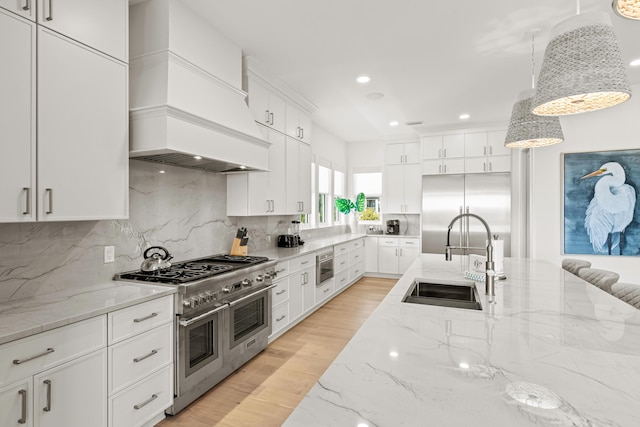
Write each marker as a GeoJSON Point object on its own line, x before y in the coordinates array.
{"type": "Point", "coordinates": [457, 294]}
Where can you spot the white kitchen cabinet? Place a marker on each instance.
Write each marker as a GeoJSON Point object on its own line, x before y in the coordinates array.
{"type": "Point", "coordinates": [17, 118]}
{"type": "Point", "coordinates": [487, 164]}
{"type": "Point", "coordinates": [267, 107]}
{"type": "Point", "coordinates": [24, 8]}
{"type": "Point", "coordinates": [402, 191]}
{"type": "Point", "coordinates": [443, 166]}
{"type": "Point", "coordinates": [16, 404]}
{"type": "Point", "coordinates": [302, 286]}
{"type": "Point", "coordinates": [485, 144]}
{"type": "Point", "coordinates": [402, 153]}
{"type": "Point", "coordinates": [261, 193]}
{"type": "Point", "coordinates": [298, 176]}
{"type": "Point", "coordinates": [103, 25]}
{"type": "Point", "coordinates": [73, 394]}
{"type": "Point", "coordinates": [324, 291]}
{"type": "Point", "coordinates": [395, 254]}
{"type": "Point", "coordinates": [63, 370]}
{"type": "Point", "coordinates": [297, 123]}
{"type": "Point", "coordinates": [443, 146]}
{"type": "Point", "coordinates": [140, 360]}
{"type": "Point", "coordinates": [82, 132]}
{"type": "Point", "coordinates": [348, 262]}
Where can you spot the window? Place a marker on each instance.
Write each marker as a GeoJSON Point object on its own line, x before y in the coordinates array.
{"type": "Point", "coordinates": [324, 195]}
{"type": "Point", "coordinates": [369, 183]}
{"type": "Point", "coordinates": [338, 192]}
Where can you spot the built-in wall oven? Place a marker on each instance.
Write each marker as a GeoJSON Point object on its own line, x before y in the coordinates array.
{"type": "Point", "coordinates": [324, 266]}
{"type": "Point", "coordinates": [223, 318]}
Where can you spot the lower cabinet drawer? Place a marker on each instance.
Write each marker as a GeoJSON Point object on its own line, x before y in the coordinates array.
{"type": "Point", "coordinates": [356, 256]}
{"type": "Point", "coordinates": [324, 291]}
{"type": "Point", "coordinates": [27, 356]}
{"type": "Point", "coordinates": [139, 318]}
{"type": "Point", "coordinates": [341, 262]}
{"type": "Point", "coordinates": [280, 317]}
{"type": "Point", "coordinates": [134, 359]}
{"type": "Point", "coordinates": [143, 401]}
{"type": "Point", "coordinates": [356, 271]}
{"type": "Point", "coordinates": [280, 293]}
{"type": "Point", "coordinates": [341, 279]}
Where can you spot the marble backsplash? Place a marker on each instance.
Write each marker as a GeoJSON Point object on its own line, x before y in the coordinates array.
{"type": "Point", "coordinates": [183, 210]}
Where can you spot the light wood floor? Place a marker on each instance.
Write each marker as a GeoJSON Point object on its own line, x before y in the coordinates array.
{"type": "Point", "coordinates": [265, 391]}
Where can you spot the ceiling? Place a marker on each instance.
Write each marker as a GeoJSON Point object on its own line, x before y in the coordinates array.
{"type": "Point", "coordinates": [432, 60]}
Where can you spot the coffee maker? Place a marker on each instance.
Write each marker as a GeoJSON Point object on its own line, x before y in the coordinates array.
{"type": "Point", "coordinates": [393, 226]}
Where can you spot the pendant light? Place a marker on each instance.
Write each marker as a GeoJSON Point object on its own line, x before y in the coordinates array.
{"type": "Point", "coordinates": [582, 69]}
{"type": "Point", "coordinates": [527, 130]}
{"type": "Point", "coordinates": [627, 8]}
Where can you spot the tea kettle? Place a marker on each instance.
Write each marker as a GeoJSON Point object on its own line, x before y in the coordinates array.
{"type": "Point", "coordinates": [156, 258]}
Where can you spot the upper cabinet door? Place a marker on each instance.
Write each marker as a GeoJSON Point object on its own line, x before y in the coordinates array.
{"type": "Point", "coordinates": [17, 119]}
{"type": "Point", "coordinates": [495, 141]}
{"type": "Point", "coordinates": [475, 144]}
{"type": "Point", "coordinates": [83, 143]}
{"type": "Point", "coordinates": [25, 8]}
{"type": "Point", "coordinates": [101, 24]}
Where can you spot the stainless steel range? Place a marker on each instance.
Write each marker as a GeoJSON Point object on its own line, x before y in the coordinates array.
{"type": "Point", "coordinates": [223, 309]}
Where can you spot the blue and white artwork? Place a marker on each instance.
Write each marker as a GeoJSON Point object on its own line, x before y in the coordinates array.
{"type": "Point", "coordinates": [601, 213]}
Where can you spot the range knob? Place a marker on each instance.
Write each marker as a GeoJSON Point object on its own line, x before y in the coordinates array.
{"type": "Point", "coordinates": [271, 274]}
{"type": "Point", "coordinates": [259, 278]}
{"type": "Point", "coordinates": [246, 282]}
{"type": "Point", "coordinates": [210, 296]}
{"type": "Point", "coordinates": [226, 289]}
{"type": "Point", "coordinates": [187, 303]}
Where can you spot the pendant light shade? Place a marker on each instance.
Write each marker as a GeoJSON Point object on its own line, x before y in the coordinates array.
{"type": "Point", "coordinates": [526, 130]}
{"type": "Point", "coordinates": [582, 69]}
{"type": "Point", "coordinates": [627, 8]}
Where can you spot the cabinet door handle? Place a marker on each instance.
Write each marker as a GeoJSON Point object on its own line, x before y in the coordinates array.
{"type": "Point", "coordinates": [445, 152]}
{"type": "Point", "coordinates": [280, 318]}
{"type": "Point", "coordinates": [281, 292]}
{"type": "Point", "coordinates": [490, 149]}
{"type": "Point", "coordinates": [484, 166]}
{"type": "Point", "coordinates": [23, 397]}
{"type": "Point", "coordinates": [44, 353]}
{"type": "Point", "coordinates": [142, 319]}
{"type": "Point", "coordinates": [50, 17]}
{"type": "Point", "coordinates": [271, 119]}
{"type": "Point", "coordinates": [266, 116]}
{"type": "Point", "coordinates": [141, 358]}
{"type": "Point", "coordinates": [146, 402]}
{"type": "Point", "coordinates": [27, 6]}
{"type": "Point", "coordinates": [302, 133]}
{"type": "Point", "coordinates": [484, 150]}
{"type": "Point", "coordinates": [439, 168]}
{"type": "Point", "coordinates": [50, 192]}
{"type": "Point", "coordinates": [490, 167]}
{"type": "Point", "coordinates": [27, 208]}
{"type": "Point", "coordinates": [445, 168]}
{"type": "Point", "coordinates": [48, 407]}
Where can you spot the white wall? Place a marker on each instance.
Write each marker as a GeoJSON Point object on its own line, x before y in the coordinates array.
{"type": "Point", "coordinates": [325, 145]}
{"type": "Point", "coordinates": [610, 129]}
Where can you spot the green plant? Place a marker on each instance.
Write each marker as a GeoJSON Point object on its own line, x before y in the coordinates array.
{"type": "Point", "coordinates": [345, 205]}
{"type": "Point", "coordinates": [369, 214]}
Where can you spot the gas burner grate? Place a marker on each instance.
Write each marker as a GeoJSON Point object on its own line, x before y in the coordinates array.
{"type": "Point", "coordinates": [239, 259]}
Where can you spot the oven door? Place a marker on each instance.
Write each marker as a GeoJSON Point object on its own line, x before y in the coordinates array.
{"type": "Point", "coordinates": [250, 321]}
{"type": "Point", "coordinates": [198, 352]}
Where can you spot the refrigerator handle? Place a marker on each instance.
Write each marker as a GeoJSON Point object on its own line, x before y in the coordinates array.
{"type": "Point", "coordinates": [466, 231]}
{"type": "Point", "coordinates": [460, 230]}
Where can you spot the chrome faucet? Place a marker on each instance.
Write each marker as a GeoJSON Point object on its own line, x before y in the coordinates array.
{"type": "Point", "coordinates": [490, 274]}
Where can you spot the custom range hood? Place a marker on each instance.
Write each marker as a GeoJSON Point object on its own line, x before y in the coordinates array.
{"type": "Point", "coordinates": [187, 107]}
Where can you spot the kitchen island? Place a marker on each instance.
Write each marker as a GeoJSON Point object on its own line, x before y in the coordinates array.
{"type": "Point", "coordinates": [549, 349]}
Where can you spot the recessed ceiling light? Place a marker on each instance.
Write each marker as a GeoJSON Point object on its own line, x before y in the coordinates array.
{"type": "Point", "coordinates": [393, 354]}
{"type": "Point", "coordinates": [197, 157]}
{"type": "Point", "coordinates": [363, 79]}
{"type": "Point", "coordinates": [394, 123]}
{"type": "Point", "coordinates": [374, 96]}
{"type": "Point", "coordinates": [161, 172]}
{"type": "Point", "coordinates": [635, 62]}
{"type": "Point", "coordinates": [463, 365]}
{"type": "Point", "coordinates": [464, 116]}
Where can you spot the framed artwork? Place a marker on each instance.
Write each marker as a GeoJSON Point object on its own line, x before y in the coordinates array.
{"type": "Point", "coordinates": [600, 209]}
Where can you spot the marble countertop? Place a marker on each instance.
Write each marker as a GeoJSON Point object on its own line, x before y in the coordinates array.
{"type": "Point", "coordinates": [549, 350]}
{"type": "Point", "coordinates": [29, 316]}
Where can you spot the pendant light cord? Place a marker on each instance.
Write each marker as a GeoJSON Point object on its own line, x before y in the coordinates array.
{"type": "Point", "coordinates": [533, 60]}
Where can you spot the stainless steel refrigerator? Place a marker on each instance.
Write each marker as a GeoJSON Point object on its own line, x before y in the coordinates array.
{"type": "Point", "coordinates": [445, 196]}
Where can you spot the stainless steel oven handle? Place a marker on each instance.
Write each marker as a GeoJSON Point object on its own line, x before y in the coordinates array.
{"type": "Point", "coordinates": [232, 303]}
{"type": "Point", "coordinates": [201, 316]}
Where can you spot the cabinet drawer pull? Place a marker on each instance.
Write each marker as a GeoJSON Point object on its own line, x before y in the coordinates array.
{"type": "Point", "coordinates": [266, 116]}
{"type": "Point", "coordinates": [48, 407]}
{"type": "Point", "coordinates": [27, 6]}
{"type": "Point", "coordinates": [27, 208]}
{"type": "Point", "coordinates": [23, 396]}
{"type": "Point", "coordinates": [304, 262]}
{"type": "Point", "coordinates": [141, 358]}
{"type": "Point", "coordinates": [142, 319]}
{"type": "Point", "coordinates": [146, 402]}
{"type": "Point", "coordinates": [50, 191]}
{"type": "Point", "coordinates": [44, 353]}
{"type": "Point", "coordinates": [281, 318]}
{"type": "Point", "coordinates": [281, 292]}
{"type": "Point", "coordinates": [271, 119]}
{"type": "Point", "coordinates": [326, 290]}
{"type": "Point", "coordinates": [50, 17]}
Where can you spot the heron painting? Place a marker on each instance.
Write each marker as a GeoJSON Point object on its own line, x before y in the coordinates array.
{"type": "Point", "coordinates": [601, 214]}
